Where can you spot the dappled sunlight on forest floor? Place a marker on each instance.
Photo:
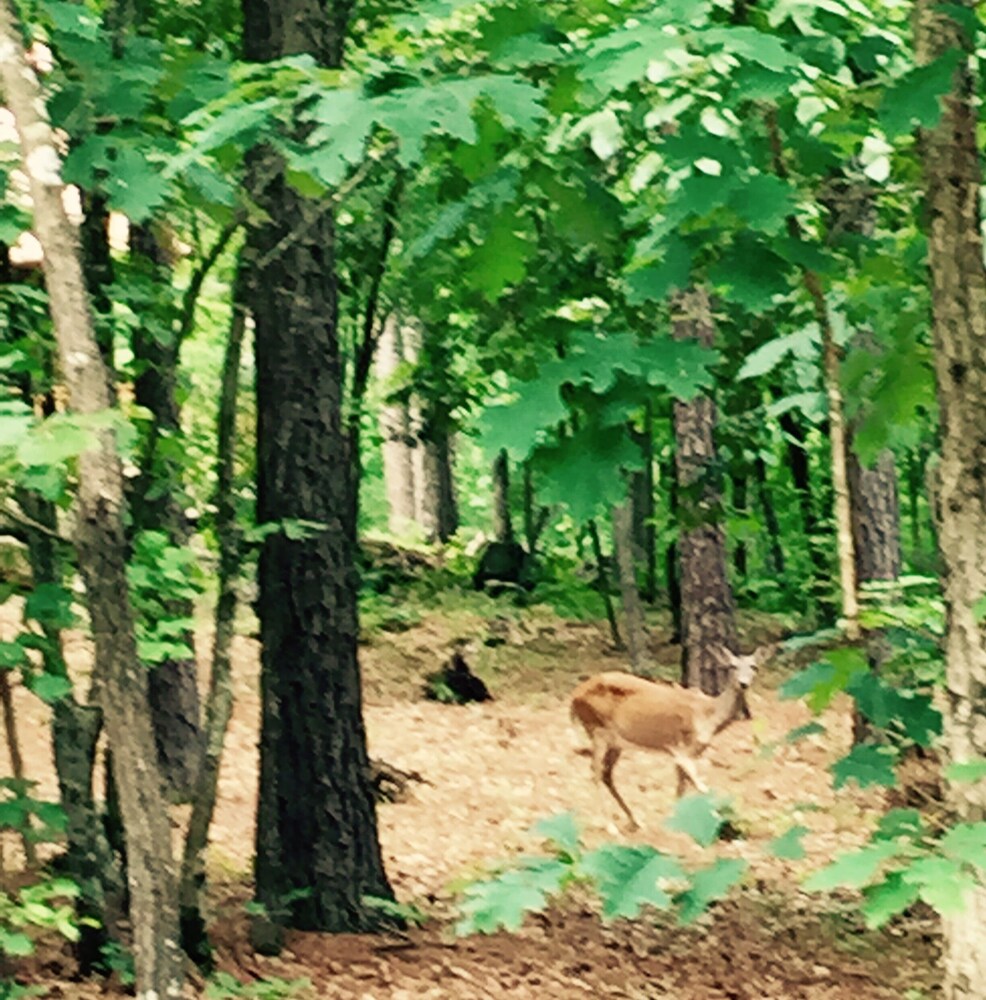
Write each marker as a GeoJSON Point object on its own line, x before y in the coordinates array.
{"type": "Point", "coordinates": [490, 772]}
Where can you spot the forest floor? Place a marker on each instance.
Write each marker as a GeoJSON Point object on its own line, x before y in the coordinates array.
{"type": "Point", "coordinates": [491, 772]}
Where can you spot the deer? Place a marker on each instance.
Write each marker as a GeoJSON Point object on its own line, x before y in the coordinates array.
{"type": "Point", "coordinates": [619, 710]}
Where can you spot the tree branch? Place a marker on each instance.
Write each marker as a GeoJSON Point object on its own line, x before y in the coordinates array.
{"type": "Point", "coordinates": [191, 297]}
{"type": "Point", "coordinates": [368, 343]}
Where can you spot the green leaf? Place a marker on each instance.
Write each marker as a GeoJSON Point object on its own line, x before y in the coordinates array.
{"type": "Point", "coordinates": [966, 771]}
{"type": "Point", "coordinates": [15, 943]}
{"type": "Point", "coordinates": [803, 343]}
{"type": "Point", "coordinates": [501, 259]}
{"type": "Point", "coordinates": [504, 901]}
{"type": "Point", "coordinates": [866, 765]}
{"type": "Point", "coordinates": [755, 46]}
{"type": "Point", "coordinates": [655, 282]}
{"type": "Point", "coordinates": [802, 732]}
{"type": "Point", "coordinates": [885, 706]}
{"type": "Point", "coordinates": [813, 405]}
{"type": "Point", "coordinates": [629, 878]}
{"type": "Point", "coordinates": [917, 95]}
{"type": "Point", "coordinates": [749, 273]}
{"type": "Point", "coordinates": [516, 426]}
{"type": "Point", "coordinates": [941, 882]}
{"type": "Point", "coordinates": [900, 823]}
{"type": "Point", "coordinates": [50, 688]}
{"type": "Point", "coordinates": [12, 655]}
{"type": "Point", "coordinates": [979, 609]}
{"type": "Point", "coordinates": [708, 885]}
{"type": "Point", "coordinates": [581, 472]}
{"type": "Point", "coordinates": [966, 843]}
{"type": "Point", "coordinates": [50, 604]}
{"type": "Point", "coordinates": [764, 203]}
{"type": "Point", "coordinates": [561, 830]}
{"type": "Point", "coordinates": [789, 845]}
{"type": "Point", "coordinates": [854, 869]}
{"type": "Point", "coordinates": [822, 681]}
{"type": "Point", "coordinates": [889, 898]}
{"type": "Point", "coordinates": [698, 816]}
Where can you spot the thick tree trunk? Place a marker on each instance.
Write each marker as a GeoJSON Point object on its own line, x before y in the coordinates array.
{"type": "Point", "coordinates": [396, 431]}
{"type": "Point", "coordinates": [953, 178]}
{"type": "Point", "coordinates": [318, 855]}
{"type": "Point", "coordinates": [101, 543]}
{"type": "Point", "coordinates": [635, 628]}
{"type": "Point", "coordinates": [503, 527]}
{"type": "Point", "coordinates": [875, 518]}
{"type": "Point", "coordinates": [708, 623]}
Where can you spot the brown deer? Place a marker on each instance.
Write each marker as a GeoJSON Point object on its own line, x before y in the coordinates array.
{"type": "Point", "coordinates": [619, 710]}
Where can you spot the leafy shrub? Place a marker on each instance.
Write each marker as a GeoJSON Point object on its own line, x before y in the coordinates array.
{"type": "Point", "coordinates": [626, 878]}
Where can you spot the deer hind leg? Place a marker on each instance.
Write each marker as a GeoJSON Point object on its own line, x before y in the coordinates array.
{"type": "Point", "coordinates": [688, 775]}
{"type": "Point", "coordinates": [604, 758]}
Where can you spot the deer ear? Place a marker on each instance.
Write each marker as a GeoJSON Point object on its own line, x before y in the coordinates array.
{"type": "Point", "coordinates": [726, 654]}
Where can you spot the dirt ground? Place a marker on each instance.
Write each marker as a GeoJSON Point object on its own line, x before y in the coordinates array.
{"type": "Point", "coordinates": [492, 771]}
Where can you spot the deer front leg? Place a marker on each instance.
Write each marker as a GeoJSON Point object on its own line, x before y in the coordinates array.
{"type": "Point", "coordinates": [688, 775]}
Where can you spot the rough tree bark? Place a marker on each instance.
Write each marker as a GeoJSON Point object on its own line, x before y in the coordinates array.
{"type": "Point", "coordinates": [875, 518]}
{"type": "Point", "coordinates": [953, 178]}
{"type": "Point", "coordinates": [318, 855]}
{"type": "Point", "coordinates": [707, 609]}
{"type": "Point", "coordinates": [101, 542]}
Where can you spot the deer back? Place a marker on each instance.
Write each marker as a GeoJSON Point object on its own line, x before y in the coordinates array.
{"type": "Point", "coordinates": [648, 714]}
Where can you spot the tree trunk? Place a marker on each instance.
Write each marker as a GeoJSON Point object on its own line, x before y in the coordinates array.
{"type": "Point", "coordinates": [635, 628]}
{"type": "Point", "coordinates": [436, 507]}
{"type": "Point", "coordinates": [707, 610]}
{"type": "Point", "coordinates": [219, 704]}
{"type": "Point", "coordinates": [75, 730]}
{"type": "Point", "coordinates": [953, 179]}
{"type": "Point", "coordinates": [832, 379]}
{"type": "Point", "coordinates": [535, 518]}
{"type": "Point", "coordinates": [644, 510]}
{"type": "Point", "coordinates": [775, 550]}
{"type": "Point", "coordinates": [397, 432]}
{"type": "Point", "coordinates": [157, 506]}
{"type": "Point", "coordinates": [602, 582]}
{"type": "Point", "coordinates": [740, 560]}
{"type": "Point", "coordinates": [101, 542]}
{"type": "Point", "coordinates": [672, 564]}
{"type": "Point", "coordinates": [876, 518]}
{"type": "Point", "coordinates": [318, 855]}
{"type": "Point", "coordinates": [503, 528]}
{"type": "Point", "coordinates": [799, 464]}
